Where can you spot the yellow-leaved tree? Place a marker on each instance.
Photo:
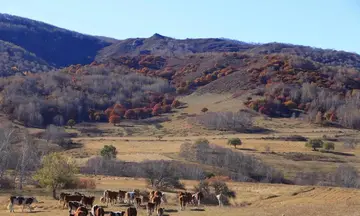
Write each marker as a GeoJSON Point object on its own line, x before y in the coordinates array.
{"type": "Point", "coordinates": [56, 171]}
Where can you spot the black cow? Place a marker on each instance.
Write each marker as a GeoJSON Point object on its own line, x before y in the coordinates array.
{"type": "Point", "coordinates": [20, 200]}
{"type": "Point", "coordinates": [74, 205]}
{"type": "Point", "coordinates": [122, 213]}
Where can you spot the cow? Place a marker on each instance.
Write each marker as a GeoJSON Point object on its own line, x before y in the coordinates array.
{"type": "Point", "coordinates": [197, 197]}
{"type": "Point", "coordinates": [118, 213]}
{"type": "Point", "coordinates": [187, 197]}
{"type": "Point", "coordinates": [221, 198]}
{"type": "Point", "coordinates": [130, 197]}
{"type": "Point", "coordinates": [131, 211]}
{"type": "Point", "coordinates": [97, 211]}
{"type": "Point", "coordinates": [69, 198]}
{"type": "Point", "coordinates": [145, 199]}
{"type": "Point", "coordinates": [163, 198]}
{"type": "Point", "coordinates": [110, 196]}
{"type": "Point", "coordinates": [150, 208]}
{"type": "Point", "coordinates": [121, 195]}
{"type": "Point", "coordinates": [62, 196]}
{"type": "Point", "coordinates": [20, 200]}
{"type": "Point", "coordinates": [81, 211]}
{"type": "Point", "coordinates": [78, 193]}
{"type": "Point", "coordinates": [88, 201]}
{"type": "Point", "coordinates": [157, 201]}
{"type": "Point", "coordinates": [160, 212]}
{"type": "Point", "coordinates": [182, 202]}
{"type": "Point", "coordinates": [74, 205]}
{"type": "Point", "coordinates": [137, 202]}
{"type": "Point", "coordinates": [102, 199]}
{"type": "Point", "coordinates": [155, 193]}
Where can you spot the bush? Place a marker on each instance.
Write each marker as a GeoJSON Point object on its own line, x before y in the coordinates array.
{"type": "Point", "coordinates": [234, 142]}
{"type": "Point", "coordinates": [204, 110]}
{"type": "Point", "coordinates": [56, 172]}
{"type": "Point", "coordinates": [236, 165]}
{"type": "Point", "coordinates": [329, 146]}
{"type": "Point", "coordinates": [71, 123]}
{"type": "Point", "coordinates": [81, 183]}
{"type": "Point", "coordinates": [226, 121]}
{"type": "Point", "coordinates": [108, 152]}
{"type": "Point", "coordinates": [6, 183]}
{"type": "Point", "coordinates": [201, 141]}
{"type": "Point", "coordinates": [314, 144]}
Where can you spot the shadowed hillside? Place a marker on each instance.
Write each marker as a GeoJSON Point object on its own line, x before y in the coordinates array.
{"type": "Point", "coordinates": [57, 46]}
{"type": "Point", "coordinates": [14, 59]}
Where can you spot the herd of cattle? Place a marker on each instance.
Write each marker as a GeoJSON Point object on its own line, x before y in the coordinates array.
{"type": "Point", "coordinates": [77, 203]}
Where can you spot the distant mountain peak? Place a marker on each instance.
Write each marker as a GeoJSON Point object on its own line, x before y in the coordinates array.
{"type": "Point", "coordinates": [157, 36]}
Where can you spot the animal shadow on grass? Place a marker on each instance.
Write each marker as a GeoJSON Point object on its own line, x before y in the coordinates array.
{"type": "Point", "coordinates": [247, 149]}
{"type": "Point", "coordinates": [171, 210]}
{"type": "Point", "coordinates": [197, 209]}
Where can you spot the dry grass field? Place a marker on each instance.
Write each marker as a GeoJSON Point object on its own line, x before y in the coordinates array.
{"type": "Point", "coordinates": [252, 199]}
{"type": "Point", "coordinates": [162, 141]}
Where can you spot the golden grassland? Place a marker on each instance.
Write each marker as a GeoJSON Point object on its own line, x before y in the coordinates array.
{"type": "Point", "coordinates": [162, 142]}
{"type": "Point", "coordinates": [252, 199]}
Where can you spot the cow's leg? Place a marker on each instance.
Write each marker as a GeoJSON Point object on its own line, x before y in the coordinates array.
{"type": "Point", "coordinates": [198, 202]}
{"type": "Point", "coordinates": [11, 207]}
{"type": "Point", "coordinates": [30, 208]}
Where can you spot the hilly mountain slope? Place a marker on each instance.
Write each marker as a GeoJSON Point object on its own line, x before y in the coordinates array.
{"type": "Point", "coordinates": [58, 47]}
{"type": "Point", "coordinates": [166, 46]}
{"type": "Point", "coordinates": [15, 59]}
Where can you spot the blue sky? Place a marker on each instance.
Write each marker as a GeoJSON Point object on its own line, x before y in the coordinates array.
{"type": "Point", "coordinates": [333, 24]}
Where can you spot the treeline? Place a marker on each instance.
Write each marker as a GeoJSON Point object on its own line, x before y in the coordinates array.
{"type": "Point", "coordinates": [236, 165]}
{"type": "Point", "coordinates": [321, 105]}
{"type": "Point", "coordinates": [55, 97]}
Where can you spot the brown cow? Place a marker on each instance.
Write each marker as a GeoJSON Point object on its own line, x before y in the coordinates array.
{"type": "Point", "coordinates": [145, 199]}
{"type": "Point", "coordinates": [187, 196]}
{"type": "Point", "coordinates": [81, 211]}
{"type": "Point", "coordinates": [155, 193]}
{"type": "Point", "coordinates": [131, 211]}
{"type": "Point", "coordinates": [137, 202]}
{"type": "Point", "coordinates": [160, 212]}
{"type": "Point", "coordinates": [157, 201]}
{"type": "Point", "coordinates": [197, 197]}
{"type": "Point", "coordinates": [110, 196]}
{"type": "Point", "coordinates": [62, 196]}
{"type": "Point", "coordinates": [182, 201]}
{"type": "Point", "coordinates": [88, 201]}
{"type": "Point", "coordinates": [121, 195]}
{"type": "Point", "coordinates": [97, 211]}
{"type": "Point", "coordinates": [150, 208]}
{"type": "Point", "coordinates": [69, 198]}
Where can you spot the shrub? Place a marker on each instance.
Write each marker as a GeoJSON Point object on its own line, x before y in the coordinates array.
{"type": "Point", "coordinates": [166, 108]}
{"type": "Point", "coordinates": [234, 142]}
{"type": "Point", "coordinates": [114, 119]}
{"type": "Point", "coordinates": [226, 121]}
{"type": "Point", "coordinates": [204, 110]}
{"type": "Point", "coordinates": [56, 172]}
{"type": "Point", "coordinates": [82, 183]}
{"type": "Point", "coordinates": [6, 183]}
{"type": "Point", "coordinates": [329, 146]}
{"type": "Point", "coordinates": [108, 152]}
{"type": "Point", "coordinates": [314, 144]}
{"type": "Point", "coordinates": [130, 114]}
{"type": "Point", "coordinates": [201, 141]}
{"type": "Point", "coordinates": [71, 123]}
{"type": "Point", "coordinates": [175, 104]}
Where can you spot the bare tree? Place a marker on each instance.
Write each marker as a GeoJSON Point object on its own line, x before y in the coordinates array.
{"type": "Point", "coordinates": [7, 136]}
{"type": "Point", "coordinates": [28, 158]}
